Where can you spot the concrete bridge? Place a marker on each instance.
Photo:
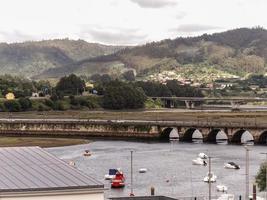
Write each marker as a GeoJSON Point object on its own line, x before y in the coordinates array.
{"type": "Point", "coordinates": [187, 131]}
{"type": "Point", "coordinates": [191, 101]}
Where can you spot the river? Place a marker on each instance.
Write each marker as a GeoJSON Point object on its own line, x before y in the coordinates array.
{"type": "Point", "coordinates": [170, 169]}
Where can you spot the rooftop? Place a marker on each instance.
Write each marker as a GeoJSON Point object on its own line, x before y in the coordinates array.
{"type": "Point", "coordinates": [34, 169]}
{"type": "Point", "coordinates": [143, 198]}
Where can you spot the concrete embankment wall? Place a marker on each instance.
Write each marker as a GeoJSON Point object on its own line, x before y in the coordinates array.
{"type": "Point", "coordinates": [78, 128]}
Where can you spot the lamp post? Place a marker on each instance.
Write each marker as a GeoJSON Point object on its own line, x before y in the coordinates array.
{"type": "Point", "coordinates": [209, 178]}
{"type": "Point", "coordinates": [247, 173]}
{"type": "Point", "coordinates": [265, 174]}
{"type": "Point", "coordinates": [131, 194]}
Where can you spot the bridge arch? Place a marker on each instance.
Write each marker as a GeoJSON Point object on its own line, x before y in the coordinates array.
{"type": "Point", "coordinates": [242, 136]}
{"type": "Point", "coordinates": [168, 133]}
{"type": "Point", "coordinates": [217, 135]}
{"type": "Point", "coordinates": [263, 137]}
{"type": "Point", "coordinates": [192, 134]}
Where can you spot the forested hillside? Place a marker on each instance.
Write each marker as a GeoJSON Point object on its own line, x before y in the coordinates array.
{"type": "Point", "coordinates": [204, 58]}
{"type": "Point", "coordinates": [32, 58]}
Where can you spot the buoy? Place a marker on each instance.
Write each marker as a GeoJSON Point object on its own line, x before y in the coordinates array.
{"type": "Point", "coordinates": [72, 163]}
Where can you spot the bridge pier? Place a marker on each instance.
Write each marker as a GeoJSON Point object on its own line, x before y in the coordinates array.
{"type": "Point", "coordinates": [235, 105]}
{"type": "Point", "coordinates": [189, 104]}
{"type": "Point", "coordinates": [205, 133]}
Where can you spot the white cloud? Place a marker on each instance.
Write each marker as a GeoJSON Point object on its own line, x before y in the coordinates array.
{"type": "Point", "coordinates": [113, 35]}
{"type": "Point", "coordinates": [193, 28]}
{"type": "Point", "coordinates": [155, 3]}
{"type": "Point", "coordinates": [124, 21]}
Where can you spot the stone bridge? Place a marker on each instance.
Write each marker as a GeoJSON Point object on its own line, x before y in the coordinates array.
{"type": "Point", "coordinates": [191, 101]}
{"type": "Point", "coordinates": [208, 131]}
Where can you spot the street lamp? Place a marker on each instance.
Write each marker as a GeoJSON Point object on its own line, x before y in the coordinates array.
{"type": "Point", "coordinates": [265, 174]}
{"type": "Point", "coordinates": [247, 172]}
{"type": "Point", "coordinates": [209, 178]}
{"type": "Point", "coordinates": [131, 194]}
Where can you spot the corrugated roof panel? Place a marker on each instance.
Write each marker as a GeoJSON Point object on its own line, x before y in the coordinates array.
{"type": "Point", "coordinates": [33, 168]}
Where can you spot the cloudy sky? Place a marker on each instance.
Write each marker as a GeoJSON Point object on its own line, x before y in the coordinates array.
{"type": "Point", "coordinates": [125, 22]}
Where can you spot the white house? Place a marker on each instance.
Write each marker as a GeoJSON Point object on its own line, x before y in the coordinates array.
{"type": "Point", "coordinates": [31, 173]}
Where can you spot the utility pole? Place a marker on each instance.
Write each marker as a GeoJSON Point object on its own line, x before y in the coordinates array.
{"type": "Point", "coordinates": [247, 172]}
{"type": "Point", "coordinates": [131, 194]}
{"type": "Point", "coordinates": [209, 178]}
{"type": "Point", "coordinates": [265, 174]}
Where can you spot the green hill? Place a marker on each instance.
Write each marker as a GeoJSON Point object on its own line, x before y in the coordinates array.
{"type": "Point", "coordinates": [32, 58]}
{"type": "Point", "coordinates": [228, 54]}
{"type": "Point", "coordinates": [204, 58]}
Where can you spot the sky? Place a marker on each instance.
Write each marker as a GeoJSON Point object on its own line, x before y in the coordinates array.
{"type": "Point", "coordinates": [125, 22]}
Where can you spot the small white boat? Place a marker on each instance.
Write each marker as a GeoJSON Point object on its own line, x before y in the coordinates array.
{"type": "Point", "coordinates": [231, 165]}
{"type": "Point", "coordinates": [142, 170]}
{"type": "Point", "coordinates": [202, 155]}
{"type": "Point", "coordinates": [72, 163]}
{"type": "Point", "coordinates": [212, 178]}
{"type": "Point", "coordinates": [221, 188]}
{"type": "Point", "coordinates": [87, 153]}
{"type": "Point", "coordinates": [111, 174]}
{"type": "Point", "coordinates": [199, 161]}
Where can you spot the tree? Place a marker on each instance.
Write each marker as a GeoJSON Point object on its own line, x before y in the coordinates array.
{"type": "Point", "coordinates": [119, 95]}
{"type": "Point", "coordinates": [261, 177]}
{"type": "Point", "coordinates": [70, 85]}
{"type": "Point", "coordinates": [154, 89]}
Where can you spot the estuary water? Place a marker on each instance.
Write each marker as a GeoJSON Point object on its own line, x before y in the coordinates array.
{"type": "Point", "coordinates": [170, 169]}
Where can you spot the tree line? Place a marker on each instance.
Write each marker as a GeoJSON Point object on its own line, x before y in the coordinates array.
{"type": "Point", "coordinates": [109, 93]}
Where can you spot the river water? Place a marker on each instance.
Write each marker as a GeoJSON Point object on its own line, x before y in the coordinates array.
{"type": "Point", "coordinates": [170, 169]}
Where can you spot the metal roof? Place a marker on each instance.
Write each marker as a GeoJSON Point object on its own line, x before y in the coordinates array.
{"type": "Point", "coordinates": [34, 169]}
{"type": "Point", "coordinates": [143, 198]}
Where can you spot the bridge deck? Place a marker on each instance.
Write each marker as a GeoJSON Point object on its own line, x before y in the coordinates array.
{"type": "Point", "coordinates": [210, 124]}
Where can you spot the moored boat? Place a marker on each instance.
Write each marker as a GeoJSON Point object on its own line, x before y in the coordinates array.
{"type": "Point", "coordinates": [199, 161]}
{"type": "Point", "coordinates": [202, 156]}
{"type": "Point", "coordinates": [118, 181]}
{"type": "Point", "coordinates": [231, 165]}
{"type": "Point", "coordinates": [142, 170]}
{"type": "Point", "coordinates": [111, 174]}
{"type": "Point", "coordinates": [221, 188]}
{"type": "Point", "coordinates": [87, 153]}
{"type": "Point", "coordinates": [210, 178]}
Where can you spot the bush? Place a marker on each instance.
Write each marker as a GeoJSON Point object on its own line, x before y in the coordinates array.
{"type": "Point", "coordinates": [49, 103]}
{"type": "Point", "coordinates": [2, 107]}
{"type": "Point", "coordinates": [12, 106]}
{"type": "Point", "coordinates": [54, 97]}
{"type": "Point", "coordinates": [150, 103]}
{"type": "Point", "coordinates": [62, 105]}
{"type": "Point", "coordinates": [40, 105]}
{"type": "Point", "coordinates": [25, 103]}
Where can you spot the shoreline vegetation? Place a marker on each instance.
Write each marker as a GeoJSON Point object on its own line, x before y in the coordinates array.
{"type": "Point", "coordinates": [45, 142]}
